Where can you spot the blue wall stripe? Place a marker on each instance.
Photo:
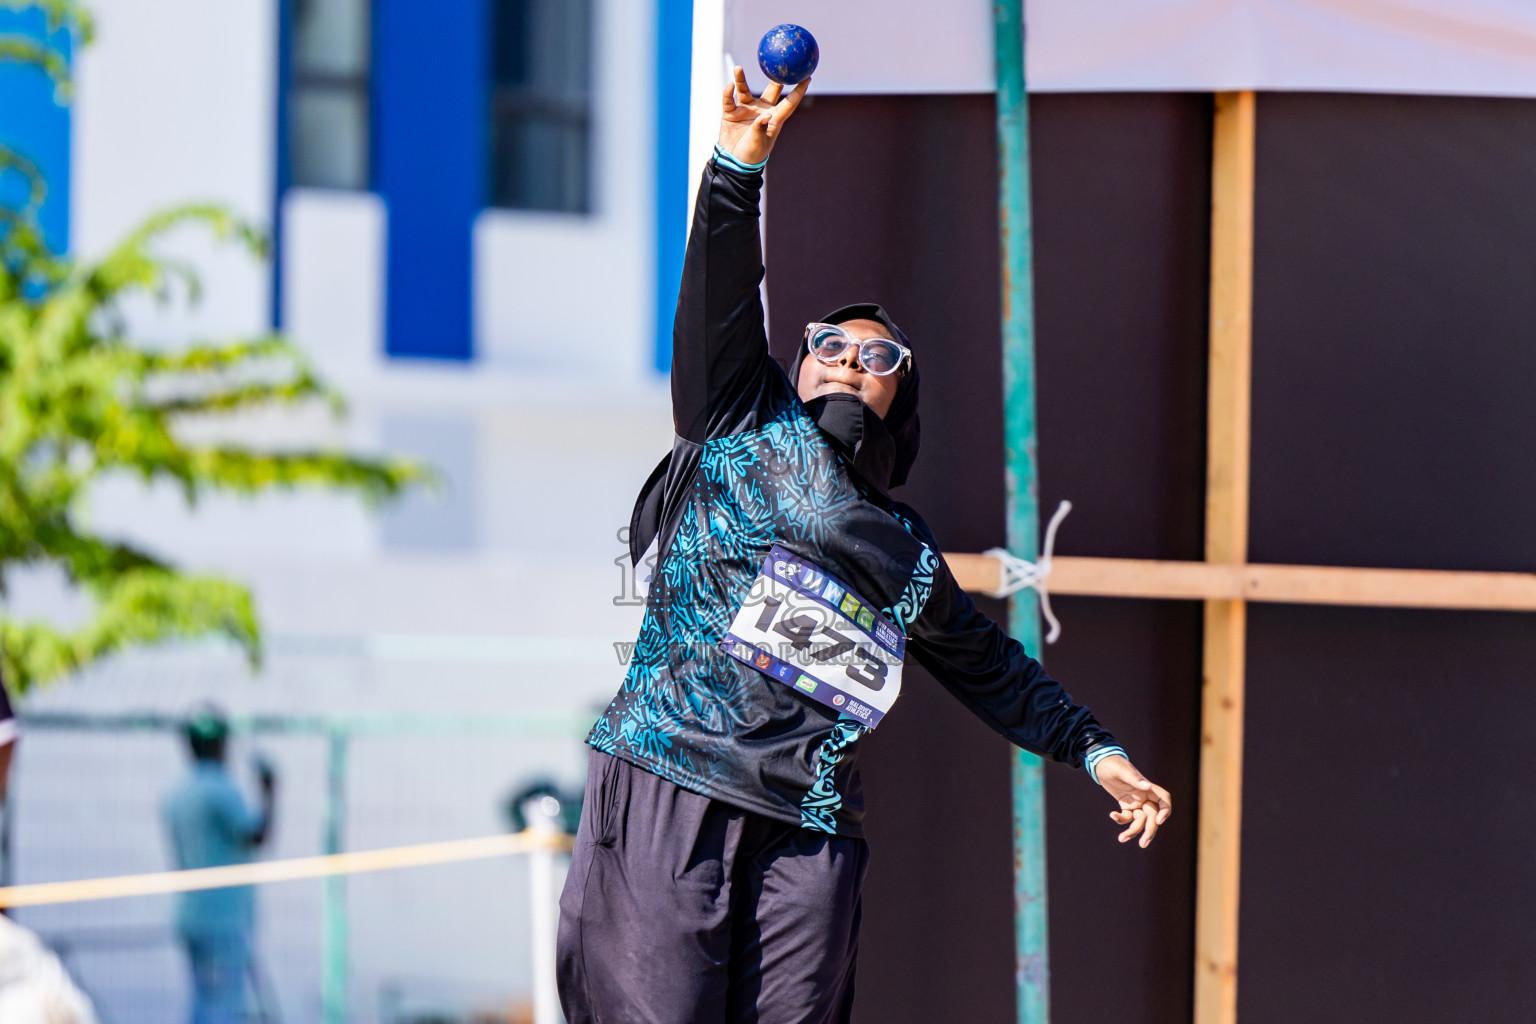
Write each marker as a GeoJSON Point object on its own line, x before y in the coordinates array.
{"type": "Point", "coordinates": [431, 87]}
{"type": "Point", "coordinates": [36, 126]}
{"type": "Point", "coordinates": [674, 60]}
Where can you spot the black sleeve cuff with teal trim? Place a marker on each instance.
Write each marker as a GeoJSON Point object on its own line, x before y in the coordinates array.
{"type": "Point", "coordinates": [725, 159]}
{"type": "Point", "coordinates": [1093, 757]}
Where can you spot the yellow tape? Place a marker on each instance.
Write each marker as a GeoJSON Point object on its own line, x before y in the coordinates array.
{"type": "Point", "coordinates": [283, 870]}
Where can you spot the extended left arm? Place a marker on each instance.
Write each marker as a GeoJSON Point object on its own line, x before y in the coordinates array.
{"type": "Point", "coordinates": [990, 672]}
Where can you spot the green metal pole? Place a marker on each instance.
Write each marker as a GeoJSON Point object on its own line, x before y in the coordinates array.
{"type": "Point", "coordinates": [1021, 471]}
{"type": "Point", "coordinates": [333, 899]}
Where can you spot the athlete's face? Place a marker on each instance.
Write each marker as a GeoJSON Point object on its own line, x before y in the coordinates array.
{"type": "Point", "coordinates": [846, 376]}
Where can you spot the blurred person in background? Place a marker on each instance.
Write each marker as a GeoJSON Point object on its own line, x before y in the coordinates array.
{"type": "Point", "coordinates": [8, 734]}
{"type": "Point", "coordinates": [34, 989]}
{"type": "Point", "coordinates": [211, 825]}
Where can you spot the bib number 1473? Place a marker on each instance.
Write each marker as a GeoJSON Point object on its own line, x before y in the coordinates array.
{"type": "Point", "coordinates": [804, 628]}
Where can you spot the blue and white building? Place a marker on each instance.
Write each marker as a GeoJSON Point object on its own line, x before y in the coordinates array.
{"type": "Point", "coordinates": [463, 200]}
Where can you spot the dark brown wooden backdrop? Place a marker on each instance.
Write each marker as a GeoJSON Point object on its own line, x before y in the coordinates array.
{"type": "Point", "coordinates": [1385, 854]}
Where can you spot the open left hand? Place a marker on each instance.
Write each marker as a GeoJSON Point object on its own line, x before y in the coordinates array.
{"type": "Point", "coordinates": [1144, 805]}
{"type": "Point", "coordinates": [750, 125]}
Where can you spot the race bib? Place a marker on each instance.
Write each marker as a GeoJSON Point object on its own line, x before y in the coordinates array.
{"type": "Point", "coordinates": [803, 628]}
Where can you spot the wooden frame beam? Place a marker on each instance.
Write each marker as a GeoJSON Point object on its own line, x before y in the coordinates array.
{"type": "Point", "coordinates": [1283, 584]}
{"type": "Point", "coordinates": [1226, 542]}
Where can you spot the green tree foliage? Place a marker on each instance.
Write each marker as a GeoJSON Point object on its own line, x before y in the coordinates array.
{"type": "Point", "coordinates": [80, 399]}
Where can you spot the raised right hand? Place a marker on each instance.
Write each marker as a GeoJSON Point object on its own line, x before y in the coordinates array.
{"type": "Point", "coordinates": [749, 125]}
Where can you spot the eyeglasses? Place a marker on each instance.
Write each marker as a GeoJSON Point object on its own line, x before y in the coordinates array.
{"type": "Point", "coordinates": [879, 356]}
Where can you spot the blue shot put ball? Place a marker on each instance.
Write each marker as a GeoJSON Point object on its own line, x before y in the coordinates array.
{"type": "Point", "coordinates": [788, 54]}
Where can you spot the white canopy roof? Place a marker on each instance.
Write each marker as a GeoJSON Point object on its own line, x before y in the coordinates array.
{"type": "Point", "coordinates": [1448, 47]}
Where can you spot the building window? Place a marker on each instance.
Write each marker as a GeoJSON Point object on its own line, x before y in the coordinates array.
{"type": "Point", "coordinates": [541, 104]}
{"type": "Point", "coordinates": [328, 93]}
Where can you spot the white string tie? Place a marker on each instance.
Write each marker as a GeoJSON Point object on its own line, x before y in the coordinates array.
{"type": "Point", "coordinates": [1016, 574]}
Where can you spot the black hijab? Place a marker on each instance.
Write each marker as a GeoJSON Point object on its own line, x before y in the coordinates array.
{"type": "Point", "coordinates": [881, 451]}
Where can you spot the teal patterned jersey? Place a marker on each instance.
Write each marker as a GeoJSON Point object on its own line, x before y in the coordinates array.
{"type": "Point", "coordinates": [692, 714]}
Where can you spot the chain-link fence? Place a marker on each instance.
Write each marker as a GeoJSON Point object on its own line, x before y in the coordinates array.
{"type": "Point", "coordinates": [442, 943]}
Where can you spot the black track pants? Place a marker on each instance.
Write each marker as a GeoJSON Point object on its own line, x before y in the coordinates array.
{"type": "Point", "coordinates": [679, 909]}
